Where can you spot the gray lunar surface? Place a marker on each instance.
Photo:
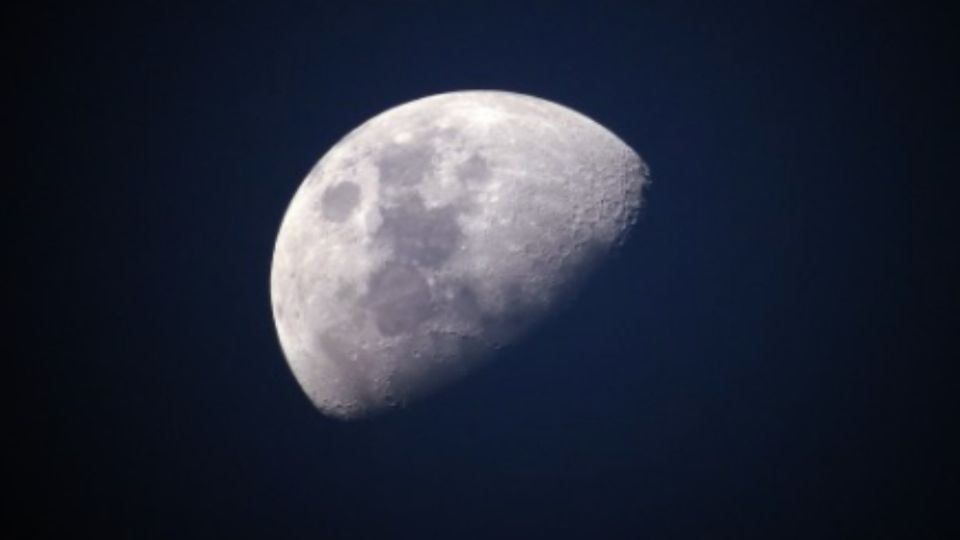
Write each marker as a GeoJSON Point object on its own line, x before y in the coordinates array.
{"type": "Point", "coordinates": [436, 232]}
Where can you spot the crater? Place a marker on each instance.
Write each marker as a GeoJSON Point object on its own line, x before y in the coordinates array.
{"type": "Point", "coordinates": [404, 165]}
{"type": "Point", "coordinates": [339, 201]}
{"type": "Point", "coordinates": [399, 298]}
{"type": "Point", "coordinates": [474, 169]}
{"type": "Point", "coordinates": [419, 235]}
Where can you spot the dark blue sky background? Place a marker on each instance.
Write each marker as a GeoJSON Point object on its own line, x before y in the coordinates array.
{"type": "Point", "coordinates": [767, 358]}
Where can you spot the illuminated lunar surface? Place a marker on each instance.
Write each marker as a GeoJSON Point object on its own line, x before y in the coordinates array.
{"type": "Point", "coordinates": [436, 232]}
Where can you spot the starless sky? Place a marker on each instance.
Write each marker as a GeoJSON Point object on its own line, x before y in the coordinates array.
{"type": "Point", "coordinates": [765, 359]}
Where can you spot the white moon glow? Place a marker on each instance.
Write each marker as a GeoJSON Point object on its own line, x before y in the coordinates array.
{"type": "Point", "coordinates": [436, 232]}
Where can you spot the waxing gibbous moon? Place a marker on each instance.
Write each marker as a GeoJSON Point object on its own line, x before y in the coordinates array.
{"type": "Point", "coordinates": [436, 232]}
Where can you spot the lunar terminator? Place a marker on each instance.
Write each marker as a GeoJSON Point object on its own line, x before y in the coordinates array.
{"type": "Point", "coordinates": [436, 232]}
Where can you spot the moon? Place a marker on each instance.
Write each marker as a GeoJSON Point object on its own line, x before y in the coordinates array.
{"type": "Point", "coordinates": [437, 232]}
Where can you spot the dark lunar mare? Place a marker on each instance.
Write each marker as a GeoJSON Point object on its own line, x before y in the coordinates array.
{"type": "Point", "coordinates": [339, 200]}
{"type": "Point", "coordinates": [418, 235]}
{"type": "Point", "coordinates": [399, 297]}
{"type": "Point", "coordinates": [419, 240]}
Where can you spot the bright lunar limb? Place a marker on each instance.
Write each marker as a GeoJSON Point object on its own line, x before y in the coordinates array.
{"type": "Point", "coordinates": [436, 232]}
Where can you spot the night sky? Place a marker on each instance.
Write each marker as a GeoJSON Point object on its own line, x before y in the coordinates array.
{"type": "Point", "coordinates": [766, 358]}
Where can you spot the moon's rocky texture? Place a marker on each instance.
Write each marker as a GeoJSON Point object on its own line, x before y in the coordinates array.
{"type": "Point", "coordinates": [436, 232]}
